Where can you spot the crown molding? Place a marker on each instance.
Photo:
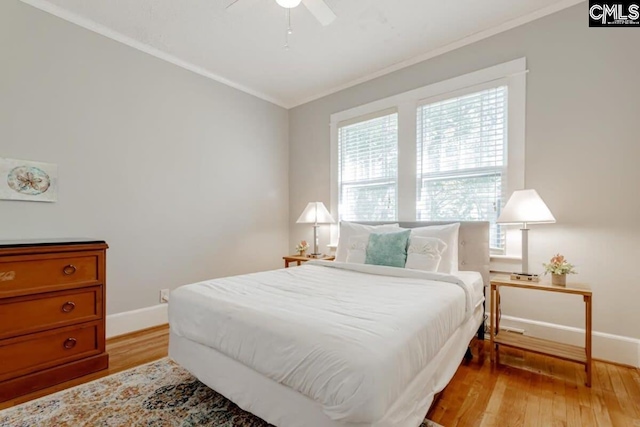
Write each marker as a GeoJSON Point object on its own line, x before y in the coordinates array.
{"type": "Point", "coordinates": [88, 24]}
{"type": "Point", "coordinates": [119, 37]}
{"type": "Point", "coordinates": [564, 4]}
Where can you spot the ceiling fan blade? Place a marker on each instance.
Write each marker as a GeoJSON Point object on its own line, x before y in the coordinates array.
{"type": "Point", "coordinates": [320, 10]}
{"type": "Point", "coordinates": [237, 8]}
{"type": "Point", "coordinates": [228, 3]}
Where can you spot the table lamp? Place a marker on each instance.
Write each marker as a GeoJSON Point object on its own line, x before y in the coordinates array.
{"type": "Point", "coordinates": [315, 213]}
{"type": "Point", "coordinates": [525, 207]}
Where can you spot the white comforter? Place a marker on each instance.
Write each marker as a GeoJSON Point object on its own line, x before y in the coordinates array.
{"type": "Point", "coordinates": [349, 336]}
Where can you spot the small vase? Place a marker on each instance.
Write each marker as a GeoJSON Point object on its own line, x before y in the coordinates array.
{"type": "Point", "coordinates": [559, 279]}
{"type": "Point", "coordinates": [303, 252]}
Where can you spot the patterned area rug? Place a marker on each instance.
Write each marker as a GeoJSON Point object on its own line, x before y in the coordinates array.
{"type": "Point", "coordinates": [157, 394]}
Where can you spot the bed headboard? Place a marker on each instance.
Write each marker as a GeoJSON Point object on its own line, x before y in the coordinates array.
{"type": "Point", "coordinates": [473, 243]}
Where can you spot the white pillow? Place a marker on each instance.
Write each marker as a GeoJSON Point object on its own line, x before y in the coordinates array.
{"type": "Point", "coordinates": [348, 229]}
{"type": "Point", "coordinates": [425, 253]}
{"type": "Point", "coordinates": [449, 235]}
{"type": "Point", "coordinates": [357, 253]}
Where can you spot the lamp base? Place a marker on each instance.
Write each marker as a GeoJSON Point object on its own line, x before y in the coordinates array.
{"type": "Point", "coordinates": [525, 277]}
{"type": "Point", "coordinates": [316, 255]}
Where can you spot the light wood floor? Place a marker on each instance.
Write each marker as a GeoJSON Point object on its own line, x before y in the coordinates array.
{"type": "Point", "coordinates": [526, 390]}
{"type": "Point", "coordinates": [532, 390]}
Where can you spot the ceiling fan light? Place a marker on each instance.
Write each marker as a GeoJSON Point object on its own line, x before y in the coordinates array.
{"type": "Point", "coordinates": [288, 4]}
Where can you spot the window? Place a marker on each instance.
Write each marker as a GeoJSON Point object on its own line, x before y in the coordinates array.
{"type": "Point", "coordinates": [461, 159]}
{"type": "Point", "coordinates": [450, 151]}
{"type": "Point", "coordinates": [368, 168]}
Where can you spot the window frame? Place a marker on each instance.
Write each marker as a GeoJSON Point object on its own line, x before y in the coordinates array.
{"type": "Point", "coordinates": [482, 171]}
{"type": "Point", "coordinates": [511, 74]}
{"type": "Point", "coordinates": [370, 182]}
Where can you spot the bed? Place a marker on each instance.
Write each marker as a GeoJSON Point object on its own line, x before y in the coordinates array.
{"type": "Point", "coordinates": [333, 344]}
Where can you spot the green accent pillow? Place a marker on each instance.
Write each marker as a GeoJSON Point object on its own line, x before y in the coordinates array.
{"type": "Point", "coordinates": [388, 248]}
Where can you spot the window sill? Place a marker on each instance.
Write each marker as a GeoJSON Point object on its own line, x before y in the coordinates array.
{"type": "Point", "coordinates": [495, 257]}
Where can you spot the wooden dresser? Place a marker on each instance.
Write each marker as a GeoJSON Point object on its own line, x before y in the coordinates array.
{"type": "Point", "coordinates": [52, 312]}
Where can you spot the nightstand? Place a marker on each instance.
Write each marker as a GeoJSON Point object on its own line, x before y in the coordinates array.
{"type": "Point", "coordinates": [300, 259]}
{"type": "Point", "coordinates": [568, 352]}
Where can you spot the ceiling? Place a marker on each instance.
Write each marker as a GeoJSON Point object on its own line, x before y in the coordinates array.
{"type": "Point", "coordinates": [243, 46]}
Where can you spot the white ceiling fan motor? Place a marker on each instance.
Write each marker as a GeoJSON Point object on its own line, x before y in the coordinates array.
{"type": "Point", "coordinates": [289, 4]}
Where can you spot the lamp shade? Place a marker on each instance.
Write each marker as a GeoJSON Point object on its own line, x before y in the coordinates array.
{"type": "Point", "coordinates": [315, 213]}
{"type": "Point", "coordinates": [526, 206]}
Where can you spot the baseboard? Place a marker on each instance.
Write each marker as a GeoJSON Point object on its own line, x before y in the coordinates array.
{"type": "Point", "coordinates": [135, 320]}
{"type": "Point", "coordinates": [607, 347]}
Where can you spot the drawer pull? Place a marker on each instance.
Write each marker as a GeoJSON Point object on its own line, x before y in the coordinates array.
{"type": "Point", "coordinates": [68, 306]}
{"type": "Point", "coordinates": [69, 343]}
{"type": "Point", "coordinates": [69, 269]}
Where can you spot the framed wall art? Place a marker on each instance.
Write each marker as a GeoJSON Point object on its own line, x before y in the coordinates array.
{"type": "Point", "coordinates": [27, 180]}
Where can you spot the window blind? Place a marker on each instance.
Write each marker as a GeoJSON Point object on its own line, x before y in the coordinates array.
{"type": "Point", "coordinates": [461, 156]}
{"type": "Point", "coordinates": [368, 168]}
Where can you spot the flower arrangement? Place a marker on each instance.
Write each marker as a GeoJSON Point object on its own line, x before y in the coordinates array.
{"type": "Point", "coordinates": [302, 247]}
{"type": "Point", "coordinates": [559, 265]}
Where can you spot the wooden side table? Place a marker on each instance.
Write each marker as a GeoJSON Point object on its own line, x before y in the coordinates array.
{"type": "Point", "coordinates": [568, 352]}
{"type": "Point", "coordinates": [300, 259]}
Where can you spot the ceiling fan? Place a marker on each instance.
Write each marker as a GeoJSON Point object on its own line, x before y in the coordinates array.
{"type": "Point", "coordinates": [318, 8]}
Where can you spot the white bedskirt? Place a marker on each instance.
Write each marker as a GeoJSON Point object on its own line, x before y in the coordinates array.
{"type": "Point", "coordinates": [284, 407]}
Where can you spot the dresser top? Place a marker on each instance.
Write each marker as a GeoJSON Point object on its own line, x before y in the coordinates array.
{"type": "Point", "coordinates": [48, 242]}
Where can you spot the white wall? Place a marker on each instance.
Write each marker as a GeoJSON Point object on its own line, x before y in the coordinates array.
{"type": "Point", "coordinates": [185, 178]}
{"type": "Point", "coordinates": [581, 155]}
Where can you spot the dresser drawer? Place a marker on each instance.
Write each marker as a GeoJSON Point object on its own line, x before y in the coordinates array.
{"type": "Point", "coordinates": [22, 275]}
{"type": "Point", "coordinates": [34, 352]}
{"type": "Point", "coordinates": [33, 313]}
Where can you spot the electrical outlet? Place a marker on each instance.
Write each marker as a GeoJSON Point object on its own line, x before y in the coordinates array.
{"type": "Point", "coordinates": [164, 296]}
